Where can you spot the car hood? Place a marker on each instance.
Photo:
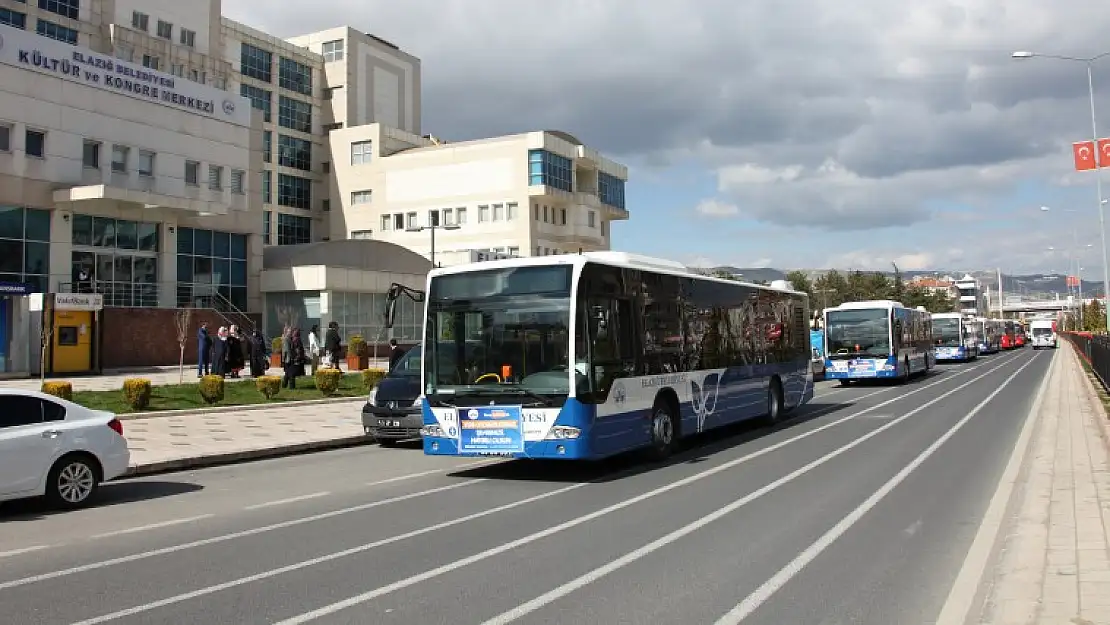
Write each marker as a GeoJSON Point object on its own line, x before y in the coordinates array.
{"type": "Point", "coordinates": [402, 388]}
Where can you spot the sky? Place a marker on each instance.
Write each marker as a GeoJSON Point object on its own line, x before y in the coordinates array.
{"type": "Point", "coordinates": [782, 133]}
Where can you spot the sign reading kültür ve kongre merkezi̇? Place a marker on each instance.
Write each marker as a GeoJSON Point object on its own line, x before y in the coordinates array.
{"type": "Point", "coordinates": [83, 66]}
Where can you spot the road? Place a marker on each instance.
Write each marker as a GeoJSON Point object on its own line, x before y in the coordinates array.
{"type": "Point", "coordinates": [861, 509]}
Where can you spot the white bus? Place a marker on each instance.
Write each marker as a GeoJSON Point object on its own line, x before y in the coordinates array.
{"type": "Point", "coordinates": [876, 339]}
{"type": "Point", "coordinates": [584, 356]}
{"type": "Point", "coordinates": [1043, 333]}
{"type": "Point", "coordinates": [954, 337]}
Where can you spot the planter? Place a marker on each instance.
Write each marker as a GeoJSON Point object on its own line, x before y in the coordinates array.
{"type": "Point", "coordinates": [357, 363]}
{"type": "Point", "coordinates": [275, 360]}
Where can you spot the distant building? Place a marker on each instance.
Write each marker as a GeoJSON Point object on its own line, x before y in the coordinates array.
{"type": "Point", "coordinates": [971, 300]}
{"type": "Point", "coordinates": [936, 286]}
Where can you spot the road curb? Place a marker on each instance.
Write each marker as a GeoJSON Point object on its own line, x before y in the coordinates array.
{"type": "Point", "coordinates": [186, 412]}
{"type": "Point", "coordinates": [194, 462]}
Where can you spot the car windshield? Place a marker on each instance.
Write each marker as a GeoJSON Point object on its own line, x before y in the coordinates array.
{"type": "Point", "coordinates": [851, 333]}
{"type": "Point", "coordinates": [409, 364]}
{"type": "Point", "coordinates": [500, 333]}
{"type": "Point", "coordinates": [946, 332]}
{"type": "Point", "coordinates": [1042, 331]}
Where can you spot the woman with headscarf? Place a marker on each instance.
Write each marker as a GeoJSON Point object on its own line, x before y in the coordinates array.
{"type": "Point", "coordinates": [235, 349]}
{"type": "Point", "coordinates": [293, 358]}
{"type": "Point", "coordinates": [219, 353]}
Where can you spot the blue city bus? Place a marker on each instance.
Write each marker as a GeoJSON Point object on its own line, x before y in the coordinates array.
{"type": "Point", "coordinates": [591, 355]}
{"type": "Point", "coordinates": [990, 337]}
{"type": "Point", "coordinates": [954, 338]}
{"type": "Point", "coordinates": [878, 339]}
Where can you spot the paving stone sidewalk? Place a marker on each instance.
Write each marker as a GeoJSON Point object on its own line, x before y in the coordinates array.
{"type": "Point", "coordinates": [1054, 568]}
{"type": "Point", "coordinates": [178, 442]}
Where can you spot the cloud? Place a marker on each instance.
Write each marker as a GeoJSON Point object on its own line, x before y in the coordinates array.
{"type": "Point", "coordinates": [716, 208]}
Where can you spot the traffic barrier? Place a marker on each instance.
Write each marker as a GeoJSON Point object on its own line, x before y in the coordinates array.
{"type": "Point", "coordinates": [1095, 350]}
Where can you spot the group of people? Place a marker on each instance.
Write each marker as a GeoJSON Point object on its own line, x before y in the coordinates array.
{"type": "Point", "coordinates": [227, 353]}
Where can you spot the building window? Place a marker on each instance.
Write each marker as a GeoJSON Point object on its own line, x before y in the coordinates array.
{"type": "Point", "coordinates": [220, 82]}
{"type": "Point", "coordinates": [267, 146]}
{"type": "Point", "coordinates": [260, 99]}
{"type": "Point", "coordinates": [498, 212]}
{"type": "Point", "coordinates": [150, 61]}
{"type": "Point", "coordinates": [293, 229]}
{"type": "Point", "coordinates": [140, 21]}
{"type": "Point", "coordinates": [591, 219]}
{"type": "Point", "coordinates": [267, 187]}
{"type": "Point", "coordinates": [116, 257]}
{"type": "Point", "coordinates": [267, 226]}
{"type": "Point", "coordinates": [325, 205]}
{"type": "Point", "coordinates": [90, 154]}
{"type": "Point", "coordinates": [5, 138]}
{"type": "Point", "coordinates": [410, 221]}
{"type": "Point", "coordinates": [545, 214]}
{"type": "Point", "coordinates": [387, 222]}
{"type": "Point", "coordinates": [514, 251]}
{"type": "Point", "coordinates": [34, 143]}
{"type": "Point", "coordinates": [362, 152]}
{"type": "Point", "coordinates": [177, 69]}
{"type": "Point", "coordinates": [610, 190]}
{"type": "Point", "coordinates": [295, 153]}
{"type": "Point", "coordinates": [25, 246]}
{"type": "Point", "coordinates": [553, 170]}
{"type": "Point", "coordinates": [65, 8]}
{"type": "Point", "coordinates": [398, 221]}
{"type": "Point", "coordinates": [125, 52]}
{"type": "Point", "coordinates": [256, 63]}
{"type": "Point", "coordinates": [237, 181]}
{"type": "Point", "coordinates": [461, 213]}
{"type": "Point", "coordinates": [325, 167]}
{"type": "Point", "coordinates": [188, 38]}
{"type": "Point", "coordinates": [360, 197]}
{"type": "Point", "coordinates": [362, 234]}
{"type": "Point", "coordinates": [333, 51]}
{"type": "Point", "coordinates": [192, 173]}
{"type": "Point", "coordinates": [120, 154]}
{"type": "Point", "coordinates": [211, 269]}
{"type": "Point", "coordinates": [447, 217]}
{"type": "Point", "coordinates": [483, 214]}
{"type": "Point", "coordinates": [215, 177]}
{"type": "Point", "coordinates": [294, 114]}
{"type": "Point", "coordinates": [165, 30]}
{"type": "Point", "coordinates": [294, 76]}
{"type": "Point", "coordinates": [294, 191]}
{"type": "Point", "coordinates": [13, 18]}
{"type": "Point", "coordinates": [146, 163]}
{"type": "Point", "coordinates": [51, 30]}
{"type": "Point", "coordinates": [563, 215]}
{"type": "Point", "coordinates": [511, 211]}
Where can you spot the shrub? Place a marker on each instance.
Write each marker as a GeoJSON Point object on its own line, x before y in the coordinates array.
{"type": "Point", "coordinates": [268, 385]}
{"type": "Point", "coordinates": [327, 380]}
{"type": "Point", "coordinates": [370, 378]}
{"type": "Point", "coordinates": [137, 392]}
{"type": "Point", "coordinates": [275, 345]}
{"type": "Point", "coordinates": [356, 346]}
{"type": "Point", "coordinates": [58, 389]}
{"type": "Point", "coordinates": [212, 388]}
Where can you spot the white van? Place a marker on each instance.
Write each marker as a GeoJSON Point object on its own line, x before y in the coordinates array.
{"type": "Point", "coordinates": [1043, 333]}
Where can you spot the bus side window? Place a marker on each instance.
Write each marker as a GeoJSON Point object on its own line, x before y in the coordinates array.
{"type": "Point", "coordinates": [614, 345]}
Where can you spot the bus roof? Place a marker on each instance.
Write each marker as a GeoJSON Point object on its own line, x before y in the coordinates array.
{"type": "Point", "coordinates": [613, 259]}
{"type": "Point", "coordinates": [876, 303]}
{"type": "Point", "coordinates": [954, 315]}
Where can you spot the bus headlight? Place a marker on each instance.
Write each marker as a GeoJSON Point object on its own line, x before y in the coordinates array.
{"type": "Point", "coordinates": [888, 367]}
{"type": "Point", "coordinates": [563, 432]}
{"type": "Point", "coordinates": [433, 431]}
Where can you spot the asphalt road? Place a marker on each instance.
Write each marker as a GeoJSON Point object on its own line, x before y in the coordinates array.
{"type": "Point", "coordinates": [861, 509]}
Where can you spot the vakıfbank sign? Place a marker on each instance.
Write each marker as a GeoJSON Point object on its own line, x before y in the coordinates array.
{"type": "Point", "coordinates": [83, 66]}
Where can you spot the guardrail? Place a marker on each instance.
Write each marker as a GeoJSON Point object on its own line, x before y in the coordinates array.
{"type": "Point", "coordinates": [1095, 349]}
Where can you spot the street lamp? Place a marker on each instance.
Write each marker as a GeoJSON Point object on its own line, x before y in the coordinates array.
{"type": "Point", "coordinates": [1089, 63]}
{"type": "Point", "coordinates": [1074, 241]}
{"type": "Point", "coordinates": [433, 228]}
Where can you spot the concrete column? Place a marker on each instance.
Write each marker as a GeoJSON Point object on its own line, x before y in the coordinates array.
{"type": "Point", "coordinates": [167, 266]}
{"type": "Point", "coordinates": [61, 248]}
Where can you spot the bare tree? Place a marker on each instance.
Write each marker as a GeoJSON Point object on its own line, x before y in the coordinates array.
{"type": "Point", "coordinates": [288, 316]}
{"type": "Point", "coordinates": [181, 319]}
{"type": "Point", "coordinates": [46, 335]}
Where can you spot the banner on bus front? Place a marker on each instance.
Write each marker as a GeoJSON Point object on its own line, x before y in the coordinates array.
{"type": "Point", "coordinates": [491, 429]}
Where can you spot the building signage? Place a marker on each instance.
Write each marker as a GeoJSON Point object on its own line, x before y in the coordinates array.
{"type": "Point", "coordinates": [78, 301]}
{"type": "Point", "coordinates": [91, 69]}
{"type": "Point", "coordinates": [15, 288]}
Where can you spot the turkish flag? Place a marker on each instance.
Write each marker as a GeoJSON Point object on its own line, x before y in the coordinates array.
{"type": "Point", "coordinates": [1104, 152]}
{"type": "Point", "coordinates": [1084, 153]}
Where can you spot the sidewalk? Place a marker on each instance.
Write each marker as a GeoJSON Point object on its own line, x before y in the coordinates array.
{"type": "Point", "coordinates": [180, 442]}
{"type": "Point", "coordinates": [1054, 568]}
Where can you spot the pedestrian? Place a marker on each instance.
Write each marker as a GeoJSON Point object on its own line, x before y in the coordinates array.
{"type": "Point", "coordinates": [219, 353]}
{"type": "Point", "coordinates": [260, 354]}
{"type": "Point", "coordinates": [235, 348]}
{"type": "Point", "coordinates": [332, 344]}
{"type": "Point", "coordinates": [293, 357]}
{"type": "Point", "coordinates": [314, 349]}
{"type": "Point", "coordinates": [204, 350]}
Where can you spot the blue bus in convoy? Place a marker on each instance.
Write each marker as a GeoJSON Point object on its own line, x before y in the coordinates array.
{"type": "Point", "coordinates": [877, 339]}
{"type": "Point", "coordinates": [954, 337]}
{"type": "Point", "coordinates": [591, 355]}
{"type": "Point", "coordinates": [990, 335]}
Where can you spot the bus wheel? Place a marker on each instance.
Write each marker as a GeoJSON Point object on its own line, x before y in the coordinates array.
{"type": "Point", "coordinates": [845, 382]}
{"type": "Point", "coordinates": [663, 429]}
{"type": "Point", "coordinates": [774, 402]}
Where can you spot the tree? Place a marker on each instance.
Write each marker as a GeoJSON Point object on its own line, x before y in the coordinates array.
{"type": "Point", "coordinates": [1094, 317]}
{"type": "Point", "coordinates": [181, 320]}
{"type": "Point", "coordinates": [45, 336]}
{"type": "Point", "coordinates": [800, 281]}
{"type": "Point", "coordinates": [898, 288]}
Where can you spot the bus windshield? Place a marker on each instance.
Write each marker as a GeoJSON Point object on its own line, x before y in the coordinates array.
{"type": "Point", "coordinates": [946, 332]}
{"type": "Point", "coordinates": [852, 333]}
{"type": "Point", "coordinates": [499, 334]}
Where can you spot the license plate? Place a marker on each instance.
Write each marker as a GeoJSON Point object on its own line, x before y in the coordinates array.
{"type": "Point", "coordinates": [386, 423]}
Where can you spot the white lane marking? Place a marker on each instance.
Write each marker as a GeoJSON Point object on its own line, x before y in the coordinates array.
{"type": "Point", "coordinates": [278, 502]}
{"type": "Point", "coordinates": [752, 602]}
{"type": "Point", "coordinates": [320, 560]}
{"type": "Point", "coordinates": [92, 566]}
{"type": "Point", "coordinates": [596, 574]}
{"type": "Point", "coordinates": [409, 476]}
{"type": "Point", "coordinates": [489, 553]}
{"type": "Point", "coordinates": [152, 526]}
{"type": "Point", "coordinates": [961, 599]}
{"type": "Point", "coordinates": [22, 550]}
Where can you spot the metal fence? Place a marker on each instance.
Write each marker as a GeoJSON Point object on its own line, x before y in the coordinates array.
{"type": "Point", "coordinates": [1095, 349]}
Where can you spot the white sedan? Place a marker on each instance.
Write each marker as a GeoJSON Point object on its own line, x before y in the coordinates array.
{"type": "Point", "coordinates": [55, 448]}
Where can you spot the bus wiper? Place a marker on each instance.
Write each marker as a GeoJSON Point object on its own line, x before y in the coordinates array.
{"type": "Point", "coordinates": [442, 404]}
{"type": "Point", "coordinates": [513, 390]}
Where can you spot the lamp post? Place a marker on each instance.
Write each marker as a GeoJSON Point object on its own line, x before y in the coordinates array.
{"type": "Point", "coordinates": [1089, 63]}
{"type": "Point", "coordinates": [433, 228]}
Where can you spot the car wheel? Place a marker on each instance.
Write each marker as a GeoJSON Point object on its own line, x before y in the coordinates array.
{"type": "Point", "coordinates": [72, 481]}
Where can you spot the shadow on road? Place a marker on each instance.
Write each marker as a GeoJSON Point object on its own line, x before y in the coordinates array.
{"type": "Point", "coordinates": [695, 449]}
{"type": "Point", "coordinates": [110, 494]}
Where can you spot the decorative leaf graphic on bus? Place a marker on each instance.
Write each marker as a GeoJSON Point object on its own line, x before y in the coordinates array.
{"type": "Point", "coordinates": [703, 397]}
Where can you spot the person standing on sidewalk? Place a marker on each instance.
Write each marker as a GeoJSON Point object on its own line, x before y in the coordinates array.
{"type": "Point", "coordinates": [314, 349]}
{"type": "Point", "coordinates": [332, 344]}
{"type": "Point", "coordinates": [204, 350]}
